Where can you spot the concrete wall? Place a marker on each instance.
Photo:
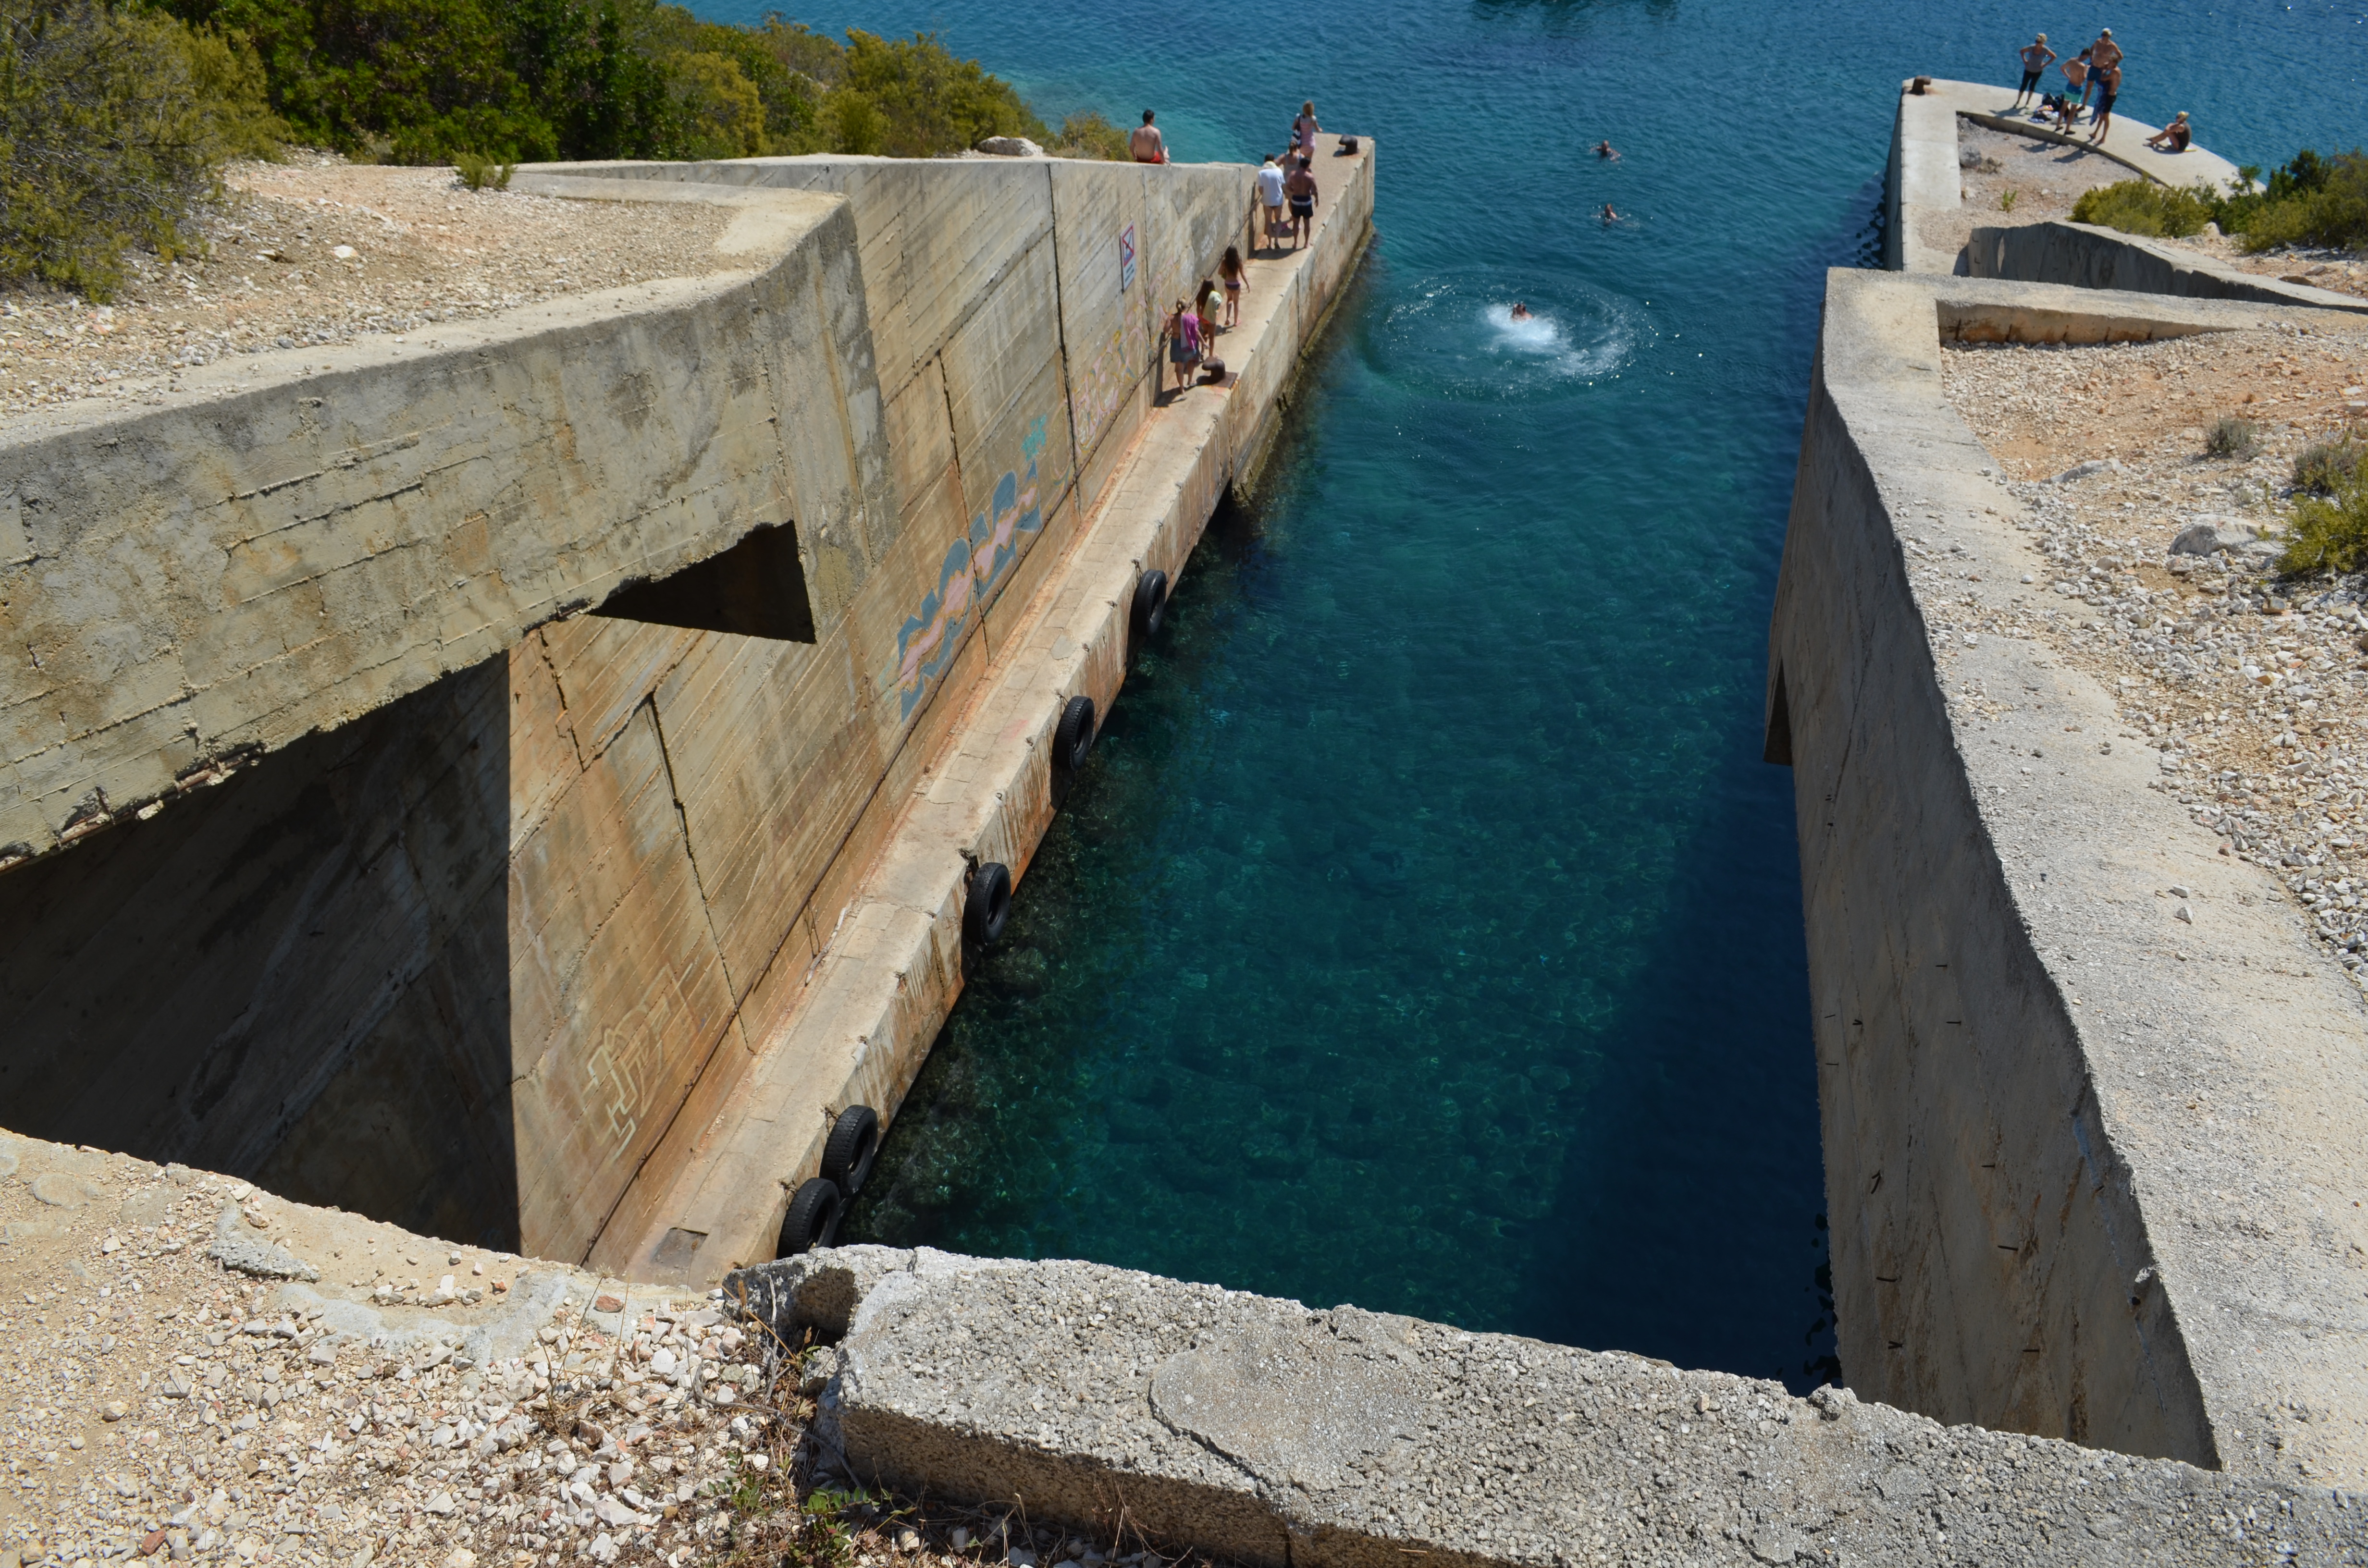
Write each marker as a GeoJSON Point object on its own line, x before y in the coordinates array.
{"type": "Point", "coordinates": [2033, 1227]}
{"type": "Point", "coordinates": [285, 546]}
{"type": "Point", "coordinates": [2087, 256]}
{"type": "Point", "coordinates": [1264, 1432]}
{"type": "Point", "coordinates": [930, 377]}
{"type": "Point", "coordinates": [857, 1025]}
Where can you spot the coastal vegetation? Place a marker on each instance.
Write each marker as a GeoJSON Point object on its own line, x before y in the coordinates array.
{"type": "Point", "coordinates": [117, 116]}
{"type": "Point", "coordinates": [2308, 200]}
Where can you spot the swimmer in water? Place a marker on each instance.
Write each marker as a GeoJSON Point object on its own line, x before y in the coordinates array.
{"type": "Point", "coordinates": [1607, 152]}
{"type": "Point", "coordinates": [1521, 312]}
{"type": "Point", "coordinates": [1609, 215]}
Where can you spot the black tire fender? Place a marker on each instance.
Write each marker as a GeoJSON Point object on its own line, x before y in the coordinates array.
{"type": "Point", "coordinates": [813, 1219]}
{"type": "Point", "coordinates": [1150, 608]}
{"type": "Point", "coordinates": [853, 1144]}
{"type": "Point", "coordinates": [988, 904]}
{"type": "Point", "coordinates": [1073, 738]}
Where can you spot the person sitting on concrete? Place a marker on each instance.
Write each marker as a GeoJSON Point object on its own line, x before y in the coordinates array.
{"type": "Point", "coordinates": [2035, 57]}
{"type": "Point", "coordinates": [1147, 145]}
{"type": "Point", "coordinates": [2174, 137]}
{"type": "Point", "coordinates": [1301, 189]}
{"type": "Point", "coordinates": [1269, 184]}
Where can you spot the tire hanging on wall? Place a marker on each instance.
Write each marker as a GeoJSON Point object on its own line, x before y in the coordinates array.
{"type": "Point", "coordinates": [853, 1144]}
{"type": "Point", "coordinates": [1150, 608]}
{"type": "Point", "coordinates": [988, 905]}
{"type": "Point", "coordinates": [1073, 738]}
{"type": "Point", "coordinates": [813, 1219]}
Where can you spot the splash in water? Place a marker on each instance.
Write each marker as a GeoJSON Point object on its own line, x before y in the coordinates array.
{"type": "Point", "coordinates": [1457, 337]}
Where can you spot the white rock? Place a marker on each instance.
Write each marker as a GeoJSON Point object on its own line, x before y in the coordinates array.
{"type": "Point", "coordinates": [662, 1363]}
{"type": "Point", "coordinates": [604, 1548]}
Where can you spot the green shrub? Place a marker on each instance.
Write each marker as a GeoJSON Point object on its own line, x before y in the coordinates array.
{"type": "Point", "coordinates": [2142, 206]}
{"type": "Point", "coordinates": [113, 125]}
{"type": "Point", "coordinates": [424, 81]}
{"type": "Point", "coordinates": [483, 174]}
{"type": "Point", "coordinates": [2329, 532]}
{"type": "Point", "coordinates": [2231, 438]}
{"type": "Point", "coordinates": [2323, 465]}
{"type": "Point", "coordinates": [2331, 210]}
{"type": "Point", "coordinates": [1089, 135]}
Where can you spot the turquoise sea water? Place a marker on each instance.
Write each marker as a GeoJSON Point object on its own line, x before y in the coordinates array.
{"type": "Point", "coordinates": [1426, 932]}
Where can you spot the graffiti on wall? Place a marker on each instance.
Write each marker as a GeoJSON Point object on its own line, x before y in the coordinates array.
{"type": "Point", "coordinates": [967, 578]}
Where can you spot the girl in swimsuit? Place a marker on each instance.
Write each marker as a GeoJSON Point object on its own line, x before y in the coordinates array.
{"type": "Point", "coordinates": [1204, 305]}
{"type": "Point", "coordinates": [1232, 271]}
{"type": "Point", "coordinates": [1306, 128]}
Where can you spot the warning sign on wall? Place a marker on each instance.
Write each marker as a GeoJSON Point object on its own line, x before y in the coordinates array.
{"type": "Point", "coordinates": [1126, 259]}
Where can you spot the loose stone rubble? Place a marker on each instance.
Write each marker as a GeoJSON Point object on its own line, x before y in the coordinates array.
{"type": "Point", "coordinates": [2253, 688]}
{"type": "Point", "coordinates": [317, 251]}
{"type": "Point", "coordinates": [341, 1392]}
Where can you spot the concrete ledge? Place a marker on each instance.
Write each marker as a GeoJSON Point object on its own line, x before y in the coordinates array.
{"type": "Point", "coordinates": [1271, 1433]}
{"type": "Point", "coordinates": [2033, 1227]}
{"type": "Point", "coordinates": [305, 536]}
{"type": "Point", "coordinates": [2088, 257]}
{"type": "Point", "coordinates": [1922, 181]}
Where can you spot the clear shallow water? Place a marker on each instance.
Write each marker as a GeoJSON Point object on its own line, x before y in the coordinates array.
{"type": "Point", "coordinates": [1426, 931]}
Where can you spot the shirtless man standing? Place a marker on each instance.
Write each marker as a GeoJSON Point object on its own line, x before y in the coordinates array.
{"type": "Point", "coordinates": [2035, 57]}
{"type": "Point", "coordinates": [1147, 145]}
{"type": "Point", "coordinates": [2104, 69]}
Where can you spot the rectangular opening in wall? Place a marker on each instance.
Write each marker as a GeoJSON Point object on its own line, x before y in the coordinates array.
{"type": "Point", "coordinates": [756, 588]}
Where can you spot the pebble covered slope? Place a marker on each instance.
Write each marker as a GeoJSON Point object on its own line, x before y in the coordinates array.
{"type": "Point", "coordinates": [181, 1389]}
{"type": "Point", "coordinates": [2253, 690]}
{"type": "Point", "coordinates": [317, 251]}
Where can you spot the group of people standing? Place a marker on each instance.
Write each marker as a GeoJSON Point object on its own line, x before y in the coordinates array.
{"type": "Point", "coordinates": [1286, 181]}
{"type": "Point", "coordinates": [2095, 70]}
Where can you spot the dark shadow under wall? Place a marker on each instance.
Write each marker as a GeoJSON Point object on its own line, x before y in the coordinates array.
{"type": "Point", "coordinates": [300, 976]}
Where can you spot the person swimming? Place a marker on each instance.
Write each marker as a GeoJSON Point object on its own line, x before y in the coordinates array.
{"type": "Point", "coordinates": [1606, 151]}
{"type": "Point", "coordinates": [1521, 312]}
{"type": "Point", "coordinates": [1610, 216]}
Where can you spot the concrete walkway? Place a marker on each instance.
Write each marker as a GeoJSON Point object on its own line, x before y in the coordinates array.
{"type": "Point", "coordinates": [1924, 181]}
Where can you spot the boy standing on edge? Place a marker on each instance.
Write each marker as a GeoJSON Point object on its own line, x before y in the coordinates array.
{"type": "Point", "coordinates": [1147, 145]}
{"type": "Point", "coordinates": [1269, 184]}
{"type": "Point", "coordinates": [2035, 57]}
{"type": "Point", "coordinates": [2104, 69]}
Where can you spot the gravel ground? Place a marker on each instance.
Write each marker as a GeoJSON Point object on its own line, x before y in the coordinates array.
{"type": "Point", "coordinates": [2252, 688]}
{"type": "Point", "coordinates": [177, 1391]}
{"type": "Point", "coordinates": [317, 251]}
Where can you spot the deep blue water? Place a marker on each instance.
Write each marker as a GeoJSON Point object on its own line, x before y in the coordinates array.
{"type": "Point", "coordinates": [1426, 932]}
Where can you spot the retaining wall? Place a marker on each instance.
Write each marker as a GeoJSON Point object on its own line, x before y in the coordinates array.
{"type": "Point", "coordinates": [397, 885]}
{"type": "Point", "coordinates": [1272, 1433]}
{"type": "Point", "coordinates": [2035, 1225]}
{"type": "Point", "coordinates": [2088, 257]}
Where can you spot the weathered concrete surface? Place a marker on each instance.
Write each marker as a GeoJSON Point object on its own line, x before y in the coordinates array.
{"type": "Point", "coordinates": [491, 958]}
{"type": "Point", "coordinates": [1921, 184]}
{"type": "Point", "coordinates": [1269, 1432]}
{"type": "Point", "coordinates": [856, 1027]}
{"type": "Point", "coordinates": [305, 536]}
{"type": "Point", "coordinates": [2088, 257]}
{"type": "Point", "coordinates": [2091, 1174]}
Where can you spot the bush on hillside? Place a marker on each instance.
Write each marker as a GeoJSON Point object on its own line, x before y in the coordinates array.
{"type": "Point", "coordinates": [1089, 135]}
{"type": "Point", "coordinates": [2231, 438]}
{"type": "Point", "coordinates": [2329, 532]}
{"type": "Point", "coordinates": [2323, 465]}
{"type": "Point", "coordinates": [112, 126]}
{"type": "Point", "coordinates": [2142, 207]}
{"type": "Point", "coordinates": [422, 81]}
